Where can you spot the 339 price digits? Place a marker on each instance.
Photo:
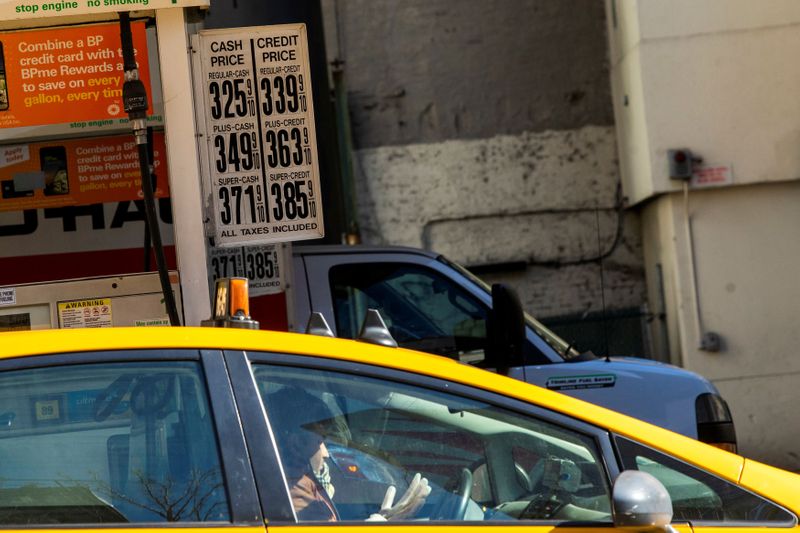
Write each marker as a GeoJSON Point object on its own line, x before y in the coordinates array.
{"type": "Point", "coordinates": [280, 95]}
{"type": "Point", "coordinates": [291, 200]}
{"type": "Point", "coordinates": [237, 198]}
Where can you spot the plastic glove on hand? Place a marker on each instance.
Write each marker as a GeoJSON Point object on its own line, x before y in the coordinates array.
{"type": "Point", "coordinates": [409, 504]}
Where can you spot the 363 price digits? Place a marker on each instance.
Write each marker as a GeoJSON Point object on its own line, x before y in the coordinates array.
{"type": "Point", "coordinates": [287, 147]}
{"type": "Point", "coordinates": [238, 200]}
{"type": "Point", "coordinates": [280, 95]}
{"type": "Point", "coordinates": [231, 98]}
{"type": "Point", "coordinates": [292, 200]}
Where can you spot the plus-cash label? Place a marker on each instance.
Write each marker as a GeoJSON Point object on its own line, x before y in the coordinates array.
{"type": "Point", "coordinates": [263, 174]}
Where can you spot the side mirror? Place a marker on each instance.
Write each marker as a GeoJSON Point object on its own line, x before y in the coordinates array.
{"type": "Point", "coordinates": [505, 329]}
{"type": "Point", "coordinates": [641, 503]}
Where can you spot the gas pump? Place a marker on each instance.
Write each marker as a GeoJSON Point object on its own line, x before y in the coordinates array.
{"type": "Point", "coordinates": [233, 145]}
{"type": "Point", "coordinates": [72, 205]}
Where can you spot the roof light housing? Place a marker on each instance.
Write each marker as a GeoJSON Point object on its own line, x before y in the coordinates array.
{"type": "Point", "coordinates": [231, 305]}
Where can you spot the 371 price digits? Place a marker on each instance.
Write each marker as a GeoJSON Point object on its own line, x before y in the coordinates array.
{"type": "Point", "coordinates": [232, 200]}
{"type": "Point", "coordinates": [291, 201]}
{"type": "Point", "coordinates": [220, 265]}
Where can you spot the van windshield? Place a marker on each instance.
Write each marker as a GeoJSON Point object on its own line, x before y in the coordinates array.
{"type": "Point", "coordinates": [562, 347]}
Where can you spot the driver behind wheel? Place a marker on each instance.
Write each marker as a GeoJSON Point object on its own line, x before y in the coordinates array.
{"type": "Point", "coordinates": [299, 422]}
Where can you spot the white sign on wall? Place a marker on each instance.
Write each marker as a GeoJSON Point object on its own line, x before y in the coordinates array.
{"type": "Point", "coordinates": [262, 174]}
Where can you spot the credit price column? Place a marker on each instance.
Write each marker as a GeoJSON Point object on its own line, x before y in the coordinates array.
{"type": "Point", "coordinates": [264, 177]}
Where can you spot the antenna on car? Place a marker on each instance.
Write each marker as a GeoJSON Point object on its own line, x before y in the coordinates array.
{"type": "Point", "coordinates": [317, 325]}
{"type": "Point", "coordinates": [374, 330]}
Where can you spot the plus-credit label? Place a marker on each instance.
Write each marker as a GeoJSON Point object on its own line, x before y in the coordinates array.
{"type": "Point", "coordinates": [263, 176]}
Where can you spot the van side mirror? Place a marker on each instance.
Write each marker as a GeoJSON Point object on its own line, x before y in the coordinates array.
{"type": "Point", "coordinates": [641, 503]}
{"type": "Point", "coordinates": [505, 330]}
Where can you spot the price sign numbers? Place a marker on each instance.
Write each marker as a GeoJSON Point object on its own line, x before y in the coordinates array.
{"type": "Point", "coordinates": [241, 204]}
{"type": "Point", "coordinates": [261, 139]}
{"type": "Point", "coordinates": [231, 98]}
{"type": "Point", "coordinates": [261, 265]}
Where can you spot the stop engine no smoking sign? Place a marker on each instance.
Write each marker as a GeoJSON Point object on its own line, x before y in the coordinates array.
{"type": "Point", "coordinates": [262, 176]}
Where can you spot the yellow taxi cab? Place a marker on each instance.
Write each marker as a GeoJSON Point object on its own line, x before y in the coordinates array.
{"type": "Point", "coordinates": [231, 429]}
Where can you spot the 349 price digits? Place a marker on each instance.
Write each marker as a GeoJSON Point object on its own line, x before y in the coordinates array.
{"type": "Point", "coordinates": [287, 147]}
{"type": "Point", "coordinates": [235, 152]}
{"type": "Point", "coordinates": [291, 201]}
{"type": "Point", "coordinates": [280, 94]}
{"type": "Point", "coordinates": [231, 206]}
{"type": "Point", "coordinates": [230, 98]}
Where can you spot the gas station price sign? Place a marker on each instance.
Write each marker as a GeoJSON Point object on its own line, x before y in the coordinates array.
{"type": "Point", "coordinates": [263, 173]}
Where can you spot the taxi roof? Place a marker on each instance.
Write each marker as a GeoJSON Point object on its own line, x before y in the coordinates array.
{"type": "Point", "coordinates": [31, 343]}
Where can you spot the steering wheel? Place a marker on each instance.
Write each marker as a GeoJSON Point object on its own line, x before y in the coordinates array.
{"type": "Point", "coordinates": [110, 398]}
{"type": "Point", "coordinates": [447, 510]}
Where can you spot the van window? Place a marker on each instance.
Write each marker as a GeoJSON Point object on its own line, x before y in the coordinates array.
{"type": "Point", "coordinates": [422, 309]}
{"type": "Point", "coordinates": [108, 443]}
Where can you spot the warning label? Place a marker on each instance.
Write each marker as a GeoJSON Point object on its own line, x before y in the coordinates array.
{"type": "Point", "coordinates": [94, 313]}
{"type": "Point", "coordinates": [8, 296]}
{"type": "Point", "coordinates": [595, 381]}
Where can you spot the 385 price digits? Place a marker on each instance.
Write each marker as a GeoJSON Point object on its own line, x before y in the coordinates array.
{"type": "Point", "coordinates": [280, 94]}
{"type": "Point", "coordinates": [260, 265]}
{"type": "Point", "coordinates": [291, 201]}
{"type": "Point", "coordinates": [235, 152]}
{"type": "Point", "coordinates": [232, 200]}
{"type": "Point", "coordinates": [230, 98]}
{"type": "Point", "coordinates": [287, 147]}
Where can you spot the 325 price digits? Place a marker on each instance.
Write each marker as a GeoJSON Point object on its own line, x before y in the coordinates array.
{"type": "Point", "coordinates": [291, 201]}
{"type": "Point", "coordinates": [231, 98]}
{"type": "Point", "coordinates": [235, 152]}
{"type": "Point", "coordinates": [260, 265]}
{"type": "Point", "coordinates": [232, 200]}
{"type": "Point", "coordinates": [280, 95]}
{"type": "Point", "coordinates": [287, 147]}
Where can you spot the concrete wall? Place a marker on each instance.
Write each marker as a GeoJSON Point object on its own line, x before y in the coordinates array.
{"type": "Point", "coordinates": [712, 76]}
{"type": "Point", "coordinates": [483, 129]}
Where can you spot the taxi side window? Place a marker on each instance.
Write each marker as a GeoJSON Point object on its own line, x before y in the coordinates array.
{"type": "Point", "coordinates": [108, 443]}
{"type": "Point", "coordinates": [422, 309]}
{"type": "Point", "coordinates": [698, 496]}
{"type": "Point", "coordinates": [345, 439]}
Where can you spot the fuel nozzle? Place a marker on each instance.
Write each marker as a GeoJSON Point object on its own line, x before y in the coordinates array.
{"type": "Point", "coordinates": [134, 94]}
